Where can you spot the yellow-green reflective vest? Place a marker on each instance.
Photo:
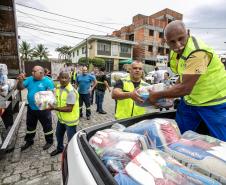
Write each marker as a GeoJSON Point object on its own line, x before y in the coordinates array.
{"type": "Point", "coordinates": [73, 75]}
{"type": "Point", "coordinates": [68, 118]}
{"type": "Point", "coordinates": [210, 89]}
{"type": "Point", "coordinates": [127, 108]}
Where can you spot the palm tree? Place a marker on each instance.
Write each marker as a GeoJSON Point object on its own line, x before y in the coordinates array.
{"type": "Point", "coordinates": [64, 51]}
{"type": "Point", "coordinates": [41, 51]}
{"type": "Point", "coordinates": [25, 51]}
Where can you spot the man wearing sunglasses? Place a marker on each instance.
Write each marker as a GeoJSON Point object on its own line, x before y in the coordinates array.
{"type": "Point", "coordinates": [126, 95]}
{"type": "Point", "coordinates": [35, 83]}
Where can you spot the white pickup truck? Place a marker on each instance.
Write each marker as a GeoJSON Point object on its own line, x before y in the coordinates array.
{"type": "Point", "coordinates": [80, 163]}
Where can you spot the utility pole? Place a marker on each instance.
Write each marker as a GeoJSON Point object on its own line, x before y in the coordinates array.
{"type": "Point", "coordinates": [87, 51]}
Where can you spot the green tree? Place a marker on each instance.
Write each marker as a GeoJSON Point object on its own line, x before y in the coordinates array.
{"type": "Point", "coordinates": [83, 61]}
{"type": "Point", "coordinates": [98, 62]}
{"type": "Point", "coordinates": [64, 51]}
{"type": "Point", "coordinates": [41, 52]}
{"type": "Point", "coordinates": [25, 51]}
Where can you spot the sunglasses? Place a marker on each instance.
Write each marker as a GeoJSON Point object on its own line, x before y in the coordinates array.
{"type": "Point", "coordinates": [140, 68]}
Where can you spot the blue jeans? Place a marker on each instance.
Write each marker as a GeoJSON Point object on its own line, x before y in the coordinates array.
{"type": "Point", "coordinates": [99, 100]}
{"type": "Point", "coordinates": [60, 131]}
{"type": "Point", "coordinates": [189, 117]}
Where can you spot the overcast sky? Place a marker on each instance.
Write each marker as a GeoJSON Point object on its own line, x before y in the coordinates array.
{"type": "Point", "coordinates": [206, 19]}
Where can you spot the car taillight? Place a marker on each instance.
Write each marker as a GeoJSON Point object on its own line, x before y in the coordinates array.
{"type": "Point", "coordinates": [64, 166]}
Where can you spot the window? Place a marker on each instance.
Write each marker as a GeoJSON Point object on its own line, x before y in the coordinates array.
{"type": "Point", "coordinates": [102, 46]}
{"type": "Point", "coordinates": [131, 37]}
{"type": "Point", "coordinates": [77, 52]}
{"type": "Point", "coordinates": [150, 48]}
{"type": "Point", "coordinates": [161, 51]}
{"type": "Point", "coordinates": [125, 48]}
{"type": "Point", "coordinates": [167, 51]}
{"type": "Point", "coordinates": [161, 35]}
{"type": "Point", "coordinates": [151, 32]}
{"type": "Point", "coordinates": [83, 50]}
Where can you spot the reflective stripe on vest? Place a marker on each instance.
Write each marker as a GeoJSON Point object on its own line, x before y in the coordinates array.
{"type": "Point", "coordinates": [127, 108]}
{"type": "Point", "coordinates": [210, 88]}
{"type": "Point", "coordinates": [99, 82]}
{"type": "Point", "coordinates": [68, 118]}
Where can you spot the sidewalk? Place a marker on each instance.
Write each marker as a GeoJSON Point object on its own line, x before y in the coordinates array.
{"type": "Point", "coordinates": [35, 166]}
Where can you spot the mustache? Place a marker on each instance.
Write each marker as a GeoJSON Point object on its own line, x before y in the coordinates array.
{"type": "Point", "coordinates": [179, 49]}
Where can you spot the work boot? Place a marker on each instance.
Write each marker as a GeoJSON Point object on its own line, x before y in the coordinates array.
{"type": "Point", "coordinates": [55, 152]}
{"type": "Point", "coordinates": [102, 112]}
{"type": "Point", "coordinates": [27, 145]}
{"type": "Point", "coordinates": [47, 146]}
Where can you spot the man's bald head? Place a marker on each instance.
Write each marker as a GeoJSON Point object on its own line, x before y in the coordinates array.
{"type": "Point", "coordinates": [38, 72]}
{"type": "Point", "coordinates": [176, 36]}
{"type": "Point", "coordinates": [38, 68]}
{"type": "Point", "coordinates": [174, 25]}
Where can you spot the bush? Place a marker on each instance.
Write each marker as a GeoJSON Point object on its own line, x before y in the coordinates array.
{"type": "Point", "coordinates": [83, 61]}
{"type": "Point", "coordinates": [98, 62]}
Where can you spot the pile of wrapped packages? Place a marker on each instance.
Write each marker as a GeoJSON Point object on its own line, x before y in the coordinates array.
{"type": "Point", "coordinates": [153, 152]}
{"type": "Point", "coordinates": [44, 99]}
{"type": "Point", "coordinates": [6, 85]}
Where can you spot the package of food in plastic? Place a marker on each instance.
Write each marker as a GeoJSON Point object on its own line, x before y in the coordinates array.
{"type": "Point", "coordinates": [3, 69]}
{"type": "Point", "coordinates": [201, 153]}
{"type": "Point", "coordinates": [11, 83]}
{"type": "Point", "coordinates": [117, 126]}
{"type": "Point", "coordinates": [144, 94]}
{"type": "Point", "coordinates": [117, 148]}
{"type": "Point", "coordinates": [4, 90]}
{"type": "Point", "coordinates": [152, 167]}
{"type": "Point", "coordinates": [43, 99]}
{"type": "Point", "coordinates": [124, 179]}
{"type": "Point", "coordinates": [159, 132]}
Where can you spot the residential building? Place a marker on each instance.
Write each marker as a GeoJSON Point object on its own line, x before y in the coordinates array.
{"type": "Point", "coordinates": [147, 31]}
{"type": "Point", "coordinates": [112, 49]}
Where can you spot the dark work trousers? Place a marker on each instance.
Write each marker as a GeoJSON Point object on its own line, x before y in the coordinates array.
{"type": "Point", "coordinates": [60, 131]}
{"type": "Point", "coordinates": [86, 99]}
{"type": "Point", "coordinates": [45, 118]}
{"type": "Point", "coordinates": [99, 100]}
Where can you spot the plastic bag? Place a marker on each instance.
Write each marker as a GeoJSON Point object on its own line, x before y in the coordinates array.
{"type": "Point", "coordinates": [144, 94]}
{"type": "Point", "coordinates": [3, 69]}
{"type": "Point", "coordinates": [153, 167]}
{"type": "Point", "coordinates": [117, 148]}
{"type": "Point", "coordinates": [43, 99]}
{"type": "Point", "coordinates": [202, 153]}
{"type": "Point", "coordinates": [159, 132]}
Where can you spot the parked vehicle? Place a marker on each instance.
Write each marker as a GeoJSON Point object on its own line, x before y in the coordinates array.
{"type": "Point", "coordinates": [149, 78]}
{"type": "Point", "coordinates": [174, 79]}
{"type": "Point", "coordinates": [80, 163]}
{"type": "Point", "coordinates": [116, 75]}
{"type": "Point", "coordinates": [11, 107]}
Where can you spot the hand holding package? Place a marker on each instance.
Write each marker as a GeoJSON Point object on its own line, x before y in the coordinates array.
{"type": "Point", "coordinates": [44, 99]}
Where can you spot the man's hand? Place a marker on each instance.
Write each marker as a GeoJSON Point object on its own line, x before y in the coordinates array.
{"type": "Point", "coordinates": [50, 107]}
{"type": "Point", "coordinates": [21, 76]}
{"type": "Point", "coordinates": [153, 98]}
{"type": "Point", "coordinates": [136, 97]}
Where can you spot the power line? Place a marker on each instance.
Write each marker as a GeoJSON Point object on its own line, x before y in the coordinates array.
{"type": "Point", "coordinates": [34, 35]}
{"type": "Point", "coordinates": [49, 27]}
{"type": "Point", "coordinates": [65, 16]}
{"type": "Point", "coordinates": [37, 29]}
{"type": "Point", "coordinates": [62, 22]}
